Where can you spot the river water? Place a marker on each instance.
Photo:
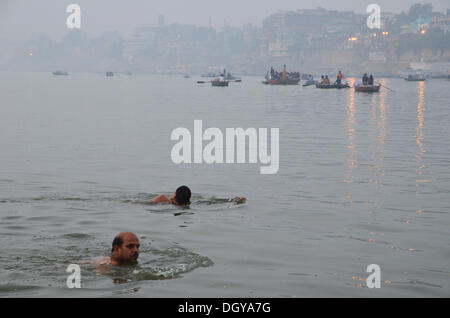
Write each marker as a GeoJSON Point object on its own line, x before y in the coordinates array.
{"type": "Point", "coordinates": [363, 179]}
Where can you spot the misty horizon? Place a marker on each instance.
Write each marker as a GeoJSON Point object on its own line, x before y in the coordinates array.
{"type": "Point", "coordinates": [48, 17]}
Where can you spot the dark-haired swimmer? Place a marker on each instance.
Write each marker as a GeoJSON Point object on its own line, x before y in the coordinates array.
{"type": "Point", "coordinates": [125, 251]}
{"type": "Point", "coordinates": [238, 200]}
{"type": "Point", "coordinates": [181, 197]}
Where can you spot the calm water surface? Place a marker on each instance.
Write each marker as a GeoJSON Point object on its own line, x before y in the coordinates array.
{"type": "Point", "coordinates": [364, 179]}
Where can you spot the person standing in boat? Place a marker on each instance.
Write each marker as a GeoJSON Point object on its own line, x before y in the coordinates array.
{"type": "Point", "coordinates": [283, 76]}
{"type": "Point", "coordinates": [339, 78]}
{"type": "Point", "coordinates": [365, 79]}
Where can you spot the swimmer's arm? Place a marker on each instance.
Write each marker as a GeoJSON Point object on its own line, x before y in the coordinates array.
{"type": "Point", "coordinates": [160, 199]}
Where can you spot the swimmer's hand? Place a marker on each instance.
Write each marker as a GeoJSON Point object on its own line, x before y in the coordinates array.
{"type": "Point", "coordinates": [238, 200]}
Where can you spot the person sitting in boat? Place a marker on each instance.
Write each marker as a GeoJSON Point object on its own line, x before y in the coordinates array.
{"type": "Point", "coordinates": [322, 79]}
{"type": "Point", "coordinates": [370, 80]}
{"type": "Point", "coordinates": [326, 80]}
{"type": "Point", "coordinates": [365, 79]}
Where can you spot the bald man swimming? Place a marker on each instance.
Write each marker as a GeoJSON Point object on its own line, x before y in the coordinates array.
{"type": "Point", "coordinates": [125, 250]}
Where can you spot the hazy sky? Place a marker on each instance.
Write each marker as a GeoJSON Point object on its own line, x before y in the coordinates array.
{"type": "Point", "coordinates": [20, 19]}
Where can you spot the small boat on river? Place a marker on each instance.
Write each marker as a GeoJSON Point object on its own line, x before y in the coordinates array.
{"type": "Point", "coordinates": [359, 87]}
{"type": "Point", "coordinates": [328, 86]}
{"type": "Point", "coordinates": [220, 82]}
{"type": "Point", "coordinates": [283, 81]}
{"type": "Point", "coordinates": [415, 78]}
{"type": "Point", "coordinates": [60, 73]}
{"type": "Point", "coordinates": [309, 83]}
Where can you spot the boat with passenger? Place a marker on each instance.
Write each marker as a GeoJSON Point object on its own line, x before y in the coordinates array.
{"type": "Point", "coordinates": [415, 78]}
{"type": "Point", "coordinates": [282, 78]}
{"type": "Point", "coordinates": [309, 80]}
{"type": "Point", "coordinates": [226, 75]}
{"type": "Point", "coordinates": [335, 85]}
{"type": "Point", "coordinates": [60, 73]}
{"type": "Point", "coordinates": [360, 87]}
{"type": "Point", "coordinates": [220, 82]}
{"type": "Point", "coordinates": [325, 83]}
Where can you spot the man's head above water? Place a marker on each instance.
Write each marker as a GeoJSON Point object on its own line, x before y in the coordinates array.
{"type": "Point", "coordinates": [181, 197]}
{"type": "Point", "coordinates": [125, 249]}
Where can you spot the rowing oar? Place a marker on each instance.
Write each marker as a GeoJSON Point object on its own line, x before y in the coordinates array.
{"type": "Point", "coordinates": [202, 82]}
{"type": "Point", "coordinates": [385, 87]}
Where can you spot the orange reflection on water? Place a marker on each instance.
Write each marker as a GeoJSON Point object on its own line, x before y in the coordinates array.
{"type": "Point", "coordinates": [419, 136]}
{"type": "Point", "coordinates": [351, 133]}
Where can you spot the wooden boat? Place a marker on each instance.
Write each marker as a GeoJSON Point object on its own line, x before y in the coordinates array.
{"type": "Point", "coordinates": [309, 83]}
{"type": "Point", "coordinates": [60, 73]}
{"type": "Point", "coordinates": [283, 82]}
{"type": "Point", "coordinates": [327, 86]}
{"type": "Point", "coordinates": [219, 83]}
{"type": "Point", "coordinates": [283, 78]}
{"type": "Point", "coordinates": [367, 88]}
{"type": "Point", "coordinates": [415, 78]}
